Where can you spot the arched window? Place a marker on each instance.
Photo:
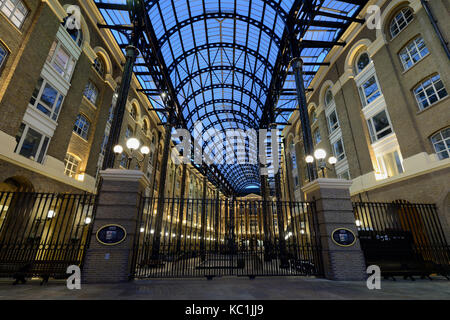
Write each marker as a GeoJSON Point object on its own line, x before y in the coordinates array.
{"type": "Point", "coordinates": [3, 55]}
{"type": "Point", "coordinates": [329, 98]}
{"type": "Point", "coordinates": [313, 115]}
{"type": "Point", "coordinates": [400, 21]}
{"type": "Point", "coordinates": [362, 62]}
{"type": "Point", "coordinates": [15, 11]}
{"type": "Point", "coordinates": [81, 126]}
{"type": "Point", "coordinates": [133, 112]}
{"type": "Point", "coordinates": [99, 66]}
{"type": "Point", "coordinates": [441, 143]}
{"type": "Point", "coordinates": [145, 127]}
{"type": "Point", "coordinates": [74, 29]}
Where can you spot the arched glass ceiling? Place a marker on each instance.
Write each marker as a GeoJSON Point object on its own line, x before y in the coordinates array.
{"type": "Point", "coordinates": [227, 60]}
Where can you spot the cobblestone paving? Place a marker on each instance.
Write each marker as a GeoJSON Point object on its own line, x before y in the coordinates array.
{"type": "Point", "coordinates": [231, 288]}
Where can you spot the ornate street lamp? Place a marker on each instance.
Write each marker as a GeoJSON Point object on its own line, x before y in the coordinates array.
{"type": "Point", "coordinates": [320, 155]}
{"type": "Point", "coordinates": [132, 144]}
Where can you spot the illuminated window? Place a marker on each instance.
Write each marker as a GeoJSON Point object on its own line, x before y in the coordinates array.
{"type": "Point", "coordinates": [71, 165]}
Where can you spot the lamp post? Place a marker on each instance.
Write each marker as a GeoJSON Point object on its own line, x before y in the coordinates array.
{"type": "Point", "coordinates": [132, 144]}
{"type": "Point", "coordinates": [320, 155]}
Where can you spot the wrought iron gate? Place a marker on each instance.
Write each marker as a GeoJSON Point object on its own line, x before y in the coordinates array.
{"type": "Point", "coordinates": [41, 234]}
{"type": "Point", "coordinates": [207, 238]}
{"type": "Point", "coordinates": [403, 239]}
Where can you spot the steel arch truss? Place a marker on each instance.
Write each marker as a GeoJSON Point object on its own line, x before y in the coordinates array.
{"type": "Point", "coordinates": [203, 54]}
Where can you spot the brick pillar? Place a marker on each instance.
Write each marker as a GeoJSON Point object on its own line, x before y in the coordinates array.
{"type": "Point", "coordinates": [117, 204]}
{"type": "Point", "coordinates": [334, 211]}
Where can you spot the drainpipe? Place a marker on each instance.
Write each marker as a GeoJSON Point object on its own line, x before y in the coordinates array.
{"type": "Point", "coordinates": [433, 21]}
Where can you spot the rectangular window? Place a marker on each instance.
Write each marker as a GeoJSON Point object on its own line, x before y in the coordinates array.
{"type": "Point", "coordinates": [390, 164]}
{"type": "Point", "coordinates": [333, 122]}
{"type": "Point", "coordinates": [46, 99]}
{"type": "Point", "coordinates": [31, 143]}
{"type": "Point", "coordinates": [369, 91]}
{"type": "Point", "coordinates": [430, 91]}
{"type": "Point", "coordinates": [3, 55]}
{"type": "Point", "coordinates": [91, 92]}
{"type": "Point", "coordinates": [15, 11]}
{"type": "Point", "coordinates": [317, 137]}
{"type": "Point", "coordinates": [344, 175]}
{"type": "Point", "coordinates": [338, 150]}
{"type": "Point", "coordinates": [413, 53]}
{"type": "Point", "coordinates": [124, 161]}
{"type": "Point", "coordinates": [72, 164]}
{"type": "Point", "coordinates": [379, 126]}
{"type": "Point", "coordinates": [61, 61]}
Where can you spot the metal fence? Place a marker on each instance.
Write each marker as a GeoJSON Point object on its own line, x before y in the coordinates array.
{"type": "Point", "coordinates": [402, 238]}
{"type": "Point", "coordinates": [207, 238]}
{"type": "Point", "coordinates": [41, 234]}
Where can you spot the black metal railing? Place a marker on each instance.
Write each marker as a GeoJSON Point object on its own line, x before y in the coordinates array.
{"type": "Point", "coordinates": [402, 238]}
{"type": "Point", "coordinates": [207, 238]}
{"type": "Point", "coordinates": [41, 234]}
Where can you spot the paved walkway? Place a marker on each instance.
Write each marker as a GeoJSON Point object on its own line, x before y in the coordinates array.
{"type": "Point", "coordinates": [232, 288]}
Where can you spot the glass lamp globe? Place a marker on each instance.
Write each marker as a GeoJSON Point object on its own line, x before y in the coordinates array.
{"type": "Point", "coordinates": [145, 150]}
{"type": "Point", "coordinates": [309, 159]}
{"type": "Point", "coordinates": [133, 143]}
{"type": "Point", "coordinates": [118, 148]}
{"type": "Point", "coordinates": [332, 160]}
{"type": "Point", "coordinates": [320, 154]}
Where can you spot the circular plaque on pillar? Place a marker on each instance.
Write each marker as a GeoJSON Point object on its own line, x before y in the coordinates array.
{"type": "Point", "coordinates": [111, 234]}
{"type": "Point", "coordinates": [343, 237]}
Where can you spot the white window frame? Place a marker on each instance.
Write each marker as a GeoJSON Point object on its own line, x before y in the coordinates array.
{"type": "Point", "coordinates": [67, 70]}
{"type": "Point", "coordinates": [82, 129]}
{"type": "Point", "coordinates": [18, 7]}
{"type": "Point", "coordinates": [91, 92]}
{"type": "Point", "coordinates": [435, 91]}
{"type": "Point", "coordinates": [41, 148]}
{"type": "Point", "coordinates": [336, 126]}
{"type": "Point", "coordinates": [445, 141]}
{"type": "Point", "coordinates": [99, 66]}
{"type": "Point", "coordinates": [334, 149]}
{"type": "Point", "coordinates": [59, 100]}
{"type": "Point", "coordinates": [373, 134]}
{"type": "Point", "coordinates": [397, 23]}
{"type": "Point", "coordinates": [71, 164]}
{"type": "Point", "coordinates": [406, 50]}
{"type": "Point", "coordinates": [357, 71]}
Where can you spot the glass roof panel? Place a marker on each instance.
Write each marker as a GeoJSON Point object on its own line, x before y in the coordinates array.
{"type": "Point", "coordinates": [222, 55]}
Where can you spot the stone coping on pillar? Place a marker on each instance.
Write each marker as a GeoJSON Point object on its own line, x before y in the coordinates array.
{"type": "Point", "coordinates": [327, 183]}
{"type": "Point", "coordinates": [124, 175]}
